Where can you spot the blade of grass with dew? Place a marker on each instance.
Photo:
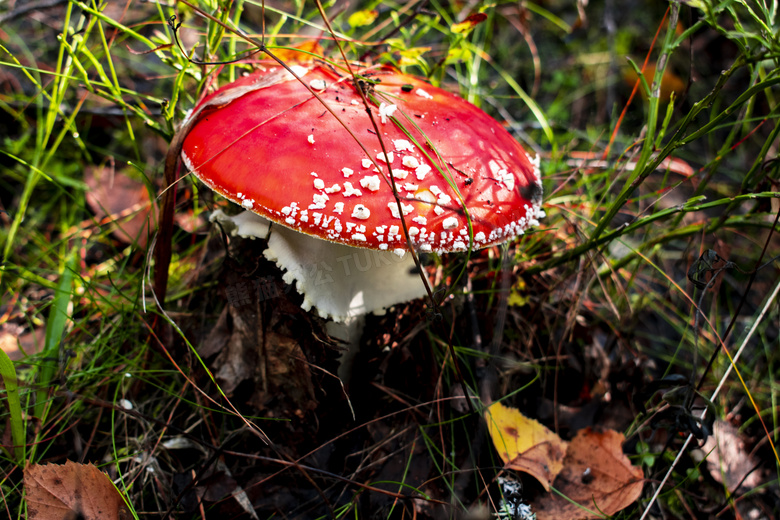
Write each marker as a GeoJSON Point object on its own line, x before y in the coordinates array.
{"type": "Point", "coordinates": [55, 329]}
{"type": "Point", "coordinates": [119, 26]}
{"type": "Point", "coordinates": [8, 372]}
{"type": "Point", "coordinates": [33, 175]}
{"type": "Point", "coordinates": [50, 116]}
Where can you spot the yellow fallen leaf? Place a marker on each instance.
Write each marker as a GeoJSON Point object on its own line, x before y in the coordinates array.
{"type": "Point", "coordinates": [467, 25]}
{"type": "Point", "coordinates": [361, 18]}
{"type": "Point", "coordinates": [525, 444]}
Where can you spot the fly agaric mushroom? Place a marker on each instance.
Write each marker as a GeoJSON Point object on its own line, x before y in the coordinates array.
{"type": "Point", "coordinates": [316, 167]}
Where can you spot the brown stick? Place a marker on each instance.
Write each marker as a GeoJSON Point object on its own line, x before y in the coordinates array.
{"type": "Point", "coordinates": [162, 251]}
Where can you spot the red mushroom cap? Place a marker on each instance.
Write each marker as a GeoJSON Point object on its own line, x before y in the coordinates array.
{"type": "Point", "coordinates": [267, 143]}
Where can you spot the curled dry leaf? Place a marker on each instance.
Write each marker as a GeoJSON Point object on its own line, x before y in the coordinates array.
{"type": "Point", "coordinates": [525, 444]}
{"type": "Point", "coordinates": [596, 475]}
{"type": "Point", "coordinates": [71, 490]}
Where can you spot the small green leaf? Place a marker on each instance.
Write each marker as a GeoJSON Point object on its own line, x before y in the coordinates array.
{"type": "Point", "coordinates": [414, 52]}
{"type": "Point", "coordinates": [457, 55]}
{"type": "Point", "coordinates": [517, 295]}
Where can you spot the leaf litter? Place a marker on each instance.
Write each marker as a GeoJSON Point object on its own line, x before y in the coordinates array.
{"type": "Point", "coordinates": [591, 471]}
{"type": "Point", "coordinates": [525, 444]}
{"type": "Point", "coordinates": [259, 343]}
{"type": "Point", "coordinates": [414, 355]}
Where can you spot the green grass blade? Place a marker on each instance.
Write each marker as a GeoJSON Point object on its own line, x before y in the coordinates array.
{"type": "Point", "coordinates": [55, 328]}
{"type": "Point", "coordinates": [8, 372]}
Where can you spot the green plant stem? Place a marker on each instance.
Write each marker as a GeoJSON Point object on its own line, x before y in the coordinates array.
{"type": "Point", "coordinates": [643, 169]}
{"type": "Point", "coordinates": [688, 207]}
{"type": "Point", "coordinates": [678, 140]}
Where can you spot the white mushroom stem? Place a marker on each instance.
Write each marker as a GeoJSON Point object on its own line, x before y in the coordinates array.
{"type": "Point", "coordinates": [339, 281]}
{"type": "Point", "coordinates": [349, 331]}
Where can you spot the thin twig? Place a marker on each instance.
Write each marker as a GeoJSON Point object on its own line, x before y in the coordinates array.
{"type": "Point", "coordinates": [32, 6]}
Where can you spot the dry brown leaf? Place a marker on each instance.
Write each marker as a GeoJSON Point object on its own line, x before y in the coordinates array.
{"type": "Point", "coordinates": [235, 337]}
{"type": "Point", "coordinates": [189, 221]}
{"type": "Point", "coordinates": [71, 490]}
{"type": "Point", "coordinates": [728, 460]}
{"type": "Point", "coordinates": [525, 444]}
{"type": "Point", "coordinates": [122, 200]}
{"type": "Point", "coordinates": [286, 374]}
{"type": "Point", "coordinates": [596, 475]}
